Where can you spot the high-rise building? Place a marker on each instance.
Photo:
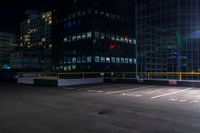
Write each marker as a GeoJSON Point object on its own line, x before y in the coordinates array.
{"type": "Point", "coordinates": [36, 33]}
{"type": "Point", "coordinates": [7, 42]}
{"type": "Point", "coordinates": [24, 59]}
{"type": "Point", "coordinates": [168, 36]}
{"type": "Point", "coordinates": [93, 37]}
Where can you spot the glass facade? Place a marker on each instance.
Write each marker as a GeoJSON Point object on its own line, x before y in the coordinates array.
{"type": "Point", "coordinates": [168, 34]}
{"type": "Point", "coordinates": [93, 39]}
{"type": "Point", "coordinates": [36, 33]}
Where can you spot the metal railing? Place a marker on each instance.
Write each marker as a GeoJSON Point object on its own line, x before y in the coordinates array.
{"type": "Point", "coordinates": [122, 75]}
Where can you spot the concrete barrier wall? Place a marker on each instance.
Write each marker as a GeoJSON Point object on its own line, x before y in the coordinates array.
{"type": "Point", "coordinates": [185, 83]}
{"type": "Point", "coordinates": [68, 82]}
{"type": "Point", "coordinates": [56, 82]}
{"type": "Point", "coordinates": [26, 80]}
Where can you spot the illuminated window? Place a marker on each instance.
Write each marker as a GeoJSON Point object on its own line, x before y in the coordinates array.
{"type": "Point", "coordinates": [135, 61]}
{"type": "Point", "coordinates": [118, 60]}
{"type": "Point", "coordinates": [113, 59]}
{"type": "Point", "coordinates": [65, 68]}
{"type": "Point", "coordinates": [130, 61]}
{"type": "Point", "coordinates": [84, 60]}
{"type": "Point", "coordinates": [65, 39]}
{"type": "Point", "coordinates": [130, 41]}
{"type": "Point", "coordinates": [73, 37]}
{"type": "Point", "coordinates": [134, 41]}
{"type": "Point", "coordinates": [102, 35]}
{"type": "Point", "coordinates": [43, 16]}
{"type": "Point", "coordinates": [102, 13]}
{"type": "Point", "coordinates": [107, 59]}
{"type": "Point", "coordinates": [97, 59]}
{"type": "Point", "coordinates": [28, 21]}
{"type": "Point", "coordinates": [49, 22]}
{"type": "Point", "coordinates": [102, 59]}
{"type": "Point", "coordinates": [79, 37]}
{"type": "Point", "coordinates": [50, 46]}
{"type": "Point", "coordinates": [78, 60]}
{"type": "Point", "coordinates": [126, 40]}
{"type": "Point", "coordinates": [122, 60]}
{"type": "Point", "coordinates": [73, 67]}
{"type": "Point", "coordinates": [43, 39]}
{"type": "Point", "coordinates": [97, 35]}
{"type": "Point", "coordinates": [69, 68]}
{"type": "Point", "coordinates": [122, 39]}
{"type": "Point", "coordinates": [108, 15]}
{"type": "Point", "coordinates": [126, 60]}
{"type": "Point", "coordinates": [117, 38]}
{"type": "Point", "coordinates": [113, 37]}
{"type": "Point", "coordinates": [89, 34]}
{"type": "Point", "coordinates": [74, 60]}
{"type": "Point", "coordinates": [83, 35]}
{"type": "Point", "coordinates": [89, 59]}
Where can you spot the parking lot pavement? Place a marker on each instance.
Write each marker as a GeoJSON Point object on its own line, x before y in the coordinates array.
{"type": "Point", "coordinates": [170, 94]}
{"type": "Point", "coordinates": [99, 108]}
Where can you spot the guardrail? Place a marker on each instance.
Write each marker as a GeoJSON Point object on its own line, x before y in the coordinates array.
{"type": "Point", "coordinates": [97, 75]}
{"type": "Point", "coordinates": [170, 75]}
{"type": "Point", "coordinates": [122, 75]}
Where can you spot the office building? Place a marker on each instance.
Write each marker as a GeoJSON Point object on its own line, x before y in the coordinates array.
{"type": "Point", "coordinates": [92, 37]}
{"type": "Point", "coordinates": [168, 36]}
{"type": "Point", "coordinates": [24, 59]}
{"type": "Point", "coordinates": [7, 42]}
{"type": "Point", "coordinates": [36, 33]}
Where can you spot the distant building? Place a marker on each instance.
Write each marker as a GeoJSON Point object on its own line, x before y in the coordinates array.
{"type": "Point", "coordinates": [24, 59]}
{"type": "Point", "coordinates": [93, 38]}
{"type": "Point", "coordinates": [36, 32]}
{"type": "Point", "coordinates": [169, 36]}
{"type": "Point", "coordinates": [7, 42]}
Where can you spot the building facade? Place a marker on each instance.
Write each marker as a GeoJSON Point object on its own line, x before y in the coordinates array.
{"type": "Point", "coordinates": [168, 35]}
{"type": "Point", "coordinates": [24, 59]}
{"type": "Point", "coordinates": [36, 33]}
{"type": "Point", "coordinates": [7, 42]}
{"type": "Point", "coordinates": [93, 39]}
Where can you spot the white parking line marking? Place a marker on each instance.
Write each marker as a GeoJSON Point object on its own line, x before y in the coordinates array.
{"type": "Point", "coordinates": [173, 99]}
{"type": "Point", "coordinates": [133, 89]}
{"type": "Point", "coordinates": [194, 101]}
{"type": "Point", "coordinates": [95, 91]}
{"type": "Point", "coordinates": [172, 93]}
{"type": "Point", "coordinates": [183, 101]}
{"type": "Point", "coordinates": [129, 95]}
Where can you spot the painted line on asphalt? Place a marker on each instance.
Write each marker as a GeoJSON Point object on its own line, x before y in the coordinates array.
{"type": "Point", "coordinates": [95, 91]}
{"type": "Point", "coordinates": [133, 89]}
{"type": "Point", "coordinates": [129, 95]}
{"type": "Point", "coordinates": [171, 93]}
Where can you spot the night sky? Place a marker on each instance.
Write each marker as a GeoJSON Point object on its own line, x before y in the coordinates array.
{"type": "Point", "coordinates": [12, 11]}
